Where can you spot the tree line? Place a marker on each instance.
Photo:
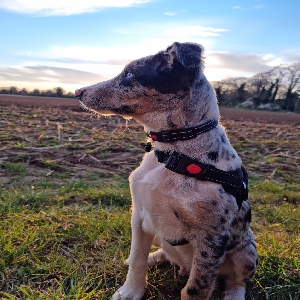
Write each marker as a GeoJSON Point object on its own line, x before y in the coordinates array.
{"type": "Point", "coordinates": [279, 87]}
{"type": "Point", "coordinates": [56, 92]}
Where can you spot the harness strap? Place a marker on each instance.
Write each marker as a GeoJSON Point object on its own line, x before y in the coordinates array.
{"type": "Point", "coordinates": [233, 182]}
{"type": "Point", "coordinates": [170, 136]}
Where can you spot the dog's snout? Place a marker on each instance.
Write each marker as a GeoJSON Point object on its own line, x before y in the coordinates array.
{"type": "Point", "coordinates": [78, 93]}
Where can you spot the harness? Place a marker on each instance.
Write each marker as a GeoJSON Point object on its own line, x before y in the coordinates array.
{"type": "Point", "coordinates": [233, 182]}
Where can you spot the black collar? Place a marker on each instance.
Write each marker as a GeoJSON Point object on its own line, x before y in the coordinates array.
{"type": "Point", "coordinates": [169, 136]}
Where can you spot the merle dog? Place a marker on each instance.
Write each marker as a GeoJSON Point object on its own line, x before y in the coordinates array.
{"type": "Point", "coordinates": [187, 194]}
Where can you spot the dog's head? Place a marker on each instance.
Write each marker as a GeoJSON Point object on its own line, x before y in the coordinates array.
{"type": "Point", "coordinates": [154, 83]}
{"type": "Point", "coordinates": [169, 81]}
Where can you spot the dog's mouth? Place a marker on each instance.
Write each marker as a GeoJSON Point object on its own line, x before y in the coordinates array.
{"type": "Point", "coordinates": [93, 111]}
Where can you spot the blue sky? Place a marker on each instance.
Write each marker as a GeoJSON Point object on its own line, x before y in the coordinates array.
{"type": "Point", "coordinates": [71, 43]}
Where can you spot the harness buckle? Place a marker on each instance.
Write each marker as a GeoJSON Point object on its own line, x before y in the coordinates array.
{"type": "Point", "coordinates": [173, 161]}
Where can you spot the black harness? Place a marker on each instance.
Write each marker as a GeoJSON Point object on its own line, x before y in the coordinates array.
{"type": "Point", "coordinates": [233, 182]}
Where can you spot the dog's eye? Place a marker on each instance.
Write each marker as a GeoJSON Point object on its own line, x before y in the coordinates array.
{"type": "Point", "coordinates": [128, 74]}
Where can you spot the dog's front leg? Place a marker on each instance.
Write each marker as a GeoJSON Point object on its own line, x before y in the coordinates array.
{"type": "Point", "coordinates": [135, 284]}
{"type": "Point", "coordinates": [208, 255]}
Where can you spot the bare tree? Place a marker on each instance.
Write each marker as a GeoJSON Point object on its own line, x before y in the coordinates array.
{"type": "Point", "coordinates": [292, 75]}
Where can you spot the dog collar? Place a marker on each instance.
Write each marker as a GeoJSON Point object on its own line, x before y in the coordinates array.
{"type": "Point", "coordinates": [169, 136]}
{"type": "Point", "coordinates": [233, 182]}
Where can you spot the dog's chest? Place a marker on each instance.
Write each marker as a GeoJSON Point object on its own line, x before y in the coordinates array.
{"type": "Point", "coordinates": [153, 200]}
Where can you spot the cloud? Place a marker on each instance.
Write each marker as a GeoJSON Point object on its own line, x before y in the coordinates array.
{"type": "Point", "coordinates": [170, 13]}
{"type": "Point", "coordinates": [52, 74]}
{"type": "Point", "coordinates": [261, 6]}
{"type": "Point", "coordinates": [239, 7]}
{"type": "Point", "coordinates": [292, 56]}
{"type": "Point", "coordinates": [193, 31]}
{"type": "Point", "coordinates": [59, 7]}
{"type": "Point", "coordinates": [242, 62]}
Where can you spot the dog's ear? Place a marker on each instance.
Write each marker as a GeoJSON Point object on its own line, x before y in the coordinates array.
{"type": "Point", "coordinates": [187, 54]}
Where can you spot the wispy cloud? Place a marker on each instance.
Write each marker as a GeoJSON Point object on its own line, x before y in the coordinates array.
{"type": "Point", "coordinates": [252, 63]}
{"type": "Point", "coordinates": [261, 6]}
{"type": "Point", "coordinates": [193, 31]}
{"type": "Point", "coordinates": [239, 7]}
{"type": "Point", "coordinates": [58, 7]}
{"type": "Point", "coordinates": [170, 13]}
{"type": "Point", "coordinates": [52, 74]}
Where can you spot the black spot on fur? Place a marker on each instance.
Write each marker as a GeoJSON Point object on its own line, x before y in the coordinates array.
{"type": "Point", "coordinates": [250, 267]}
{"type": "Point", "coordinates": [204, 254]}
{"type": "Point", "coordinates": [124, 109]}
{"type": "Point", "coordinates": [223, 138]}
{"type": "Point", "coordinates": [234, 223]}
{"type": "Point", "coordinates": [209, 237]}
{"type": "Point", "coordinates": [192, 291]}
{"type": "Point", "coordinates": [220, 248]}
{"type": "Point", "coordinates": [155, 72]}
{"type": "Point", "coordinates": [214, 202]}
{"type": "Point", "coordinates": [222, 220]}
{"type": "Point", "coordinates": [226, 211]}
{"type": "Point", "coordinates": [213, 156]}
{"type": "Point", "coordinates": [221, 190]}
{"type": "Point", "coordinates": [176, 214]}
{"type": "Point", "coordinates": [202, 283]}
{"type": "Point", "coordinates": [230, 246]}
{"type": "Point", "coordinates": [170, 122]}
{"type": "Point", "coordinates": [226, 155]}
{"type": "Point", "coordinates": [248, 216]}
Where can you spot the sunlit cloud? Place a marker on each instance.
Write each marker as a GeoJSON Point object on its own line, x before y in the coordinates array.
{"type": "Point", "coordinates": [171, 14]}
{"type": "Point", "coordinates": [239, 7]}
{"type": "Point", "coordinates": [58, 7]}
{"type": "Point", "coordinates": [220, 65]}
{"type": "Point", "coordinates": [193, 30]}
{"type": "Point", "coordinates": [45, 76]}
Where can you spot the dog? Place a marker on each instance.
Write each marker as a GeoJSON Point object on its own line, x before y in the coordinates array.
{"type": "Point", "coordinates": [189, 195]}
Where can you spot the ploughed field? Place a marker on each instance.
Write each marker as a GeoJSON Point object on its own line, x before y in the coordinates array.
{"type": "Point", "coordinates": [63, 175]}
{"type": "Point", "coordinates": [40, 130]}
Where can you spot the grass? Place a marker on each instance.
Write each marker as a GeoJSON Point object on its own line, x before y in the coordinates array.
{"type": "Point", "coordinates": [65, 217]}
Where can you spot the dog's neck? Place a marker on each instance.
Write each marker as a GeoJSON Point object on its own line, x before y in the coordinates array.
{"type": "Point", "coordinates": [200, 106]}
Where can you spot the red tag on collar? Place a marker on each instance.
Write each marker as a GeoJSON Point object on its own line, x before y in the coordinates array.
{"type": "Point", "coordinates": [193, 169]}
{"type": "Point", "coordinates": [154, 137]}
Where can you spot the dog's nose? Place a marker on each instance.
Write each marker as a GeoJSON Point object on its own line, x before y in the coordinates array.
{"type": "Point", "coordinates": [78, 92]}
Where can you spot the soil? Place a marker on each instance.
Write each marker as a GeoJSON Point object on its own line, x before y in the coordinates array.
{"type": "Point", "coordinates": [54, 139]}
{"type": "Point", "coordinates": [226, 113]}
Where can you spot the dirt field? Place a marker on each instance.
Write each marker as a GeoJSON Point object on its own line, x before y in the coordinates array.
{"type": "Point", "coordinates": [226, 113]}
{"type": "Point", "coordinates": [55, 139]}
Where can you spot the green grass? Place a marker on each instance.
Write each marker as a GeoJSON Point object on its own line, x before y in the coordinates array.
{"type": "Point", "coordinates": [69, 242]}
{"type": "Point", "coordinates": [67, 234]}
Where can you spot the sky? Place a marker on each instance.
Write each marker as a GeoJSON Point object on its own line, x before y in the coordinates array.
{"type": "Point", "coordinates": [70, 43]}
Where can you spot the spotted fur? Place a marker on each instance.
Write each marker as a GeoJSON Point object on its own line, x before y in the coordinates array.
{"type": "Point", "coordinates": [167, 91]}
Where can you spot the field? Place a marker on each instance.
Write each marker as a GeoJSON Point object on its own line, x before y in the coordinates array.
{"type": "Point", "coordinates": [65, 203]}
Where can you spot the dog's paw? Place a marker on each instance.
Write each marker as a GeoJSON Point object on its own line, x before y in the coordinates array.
{"type": "Point", "coordinates": [156, 258]}
{"type": "Point", "coordinates": [125, 293]}
{"type": "Point", "coordinates": [130, 291]}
